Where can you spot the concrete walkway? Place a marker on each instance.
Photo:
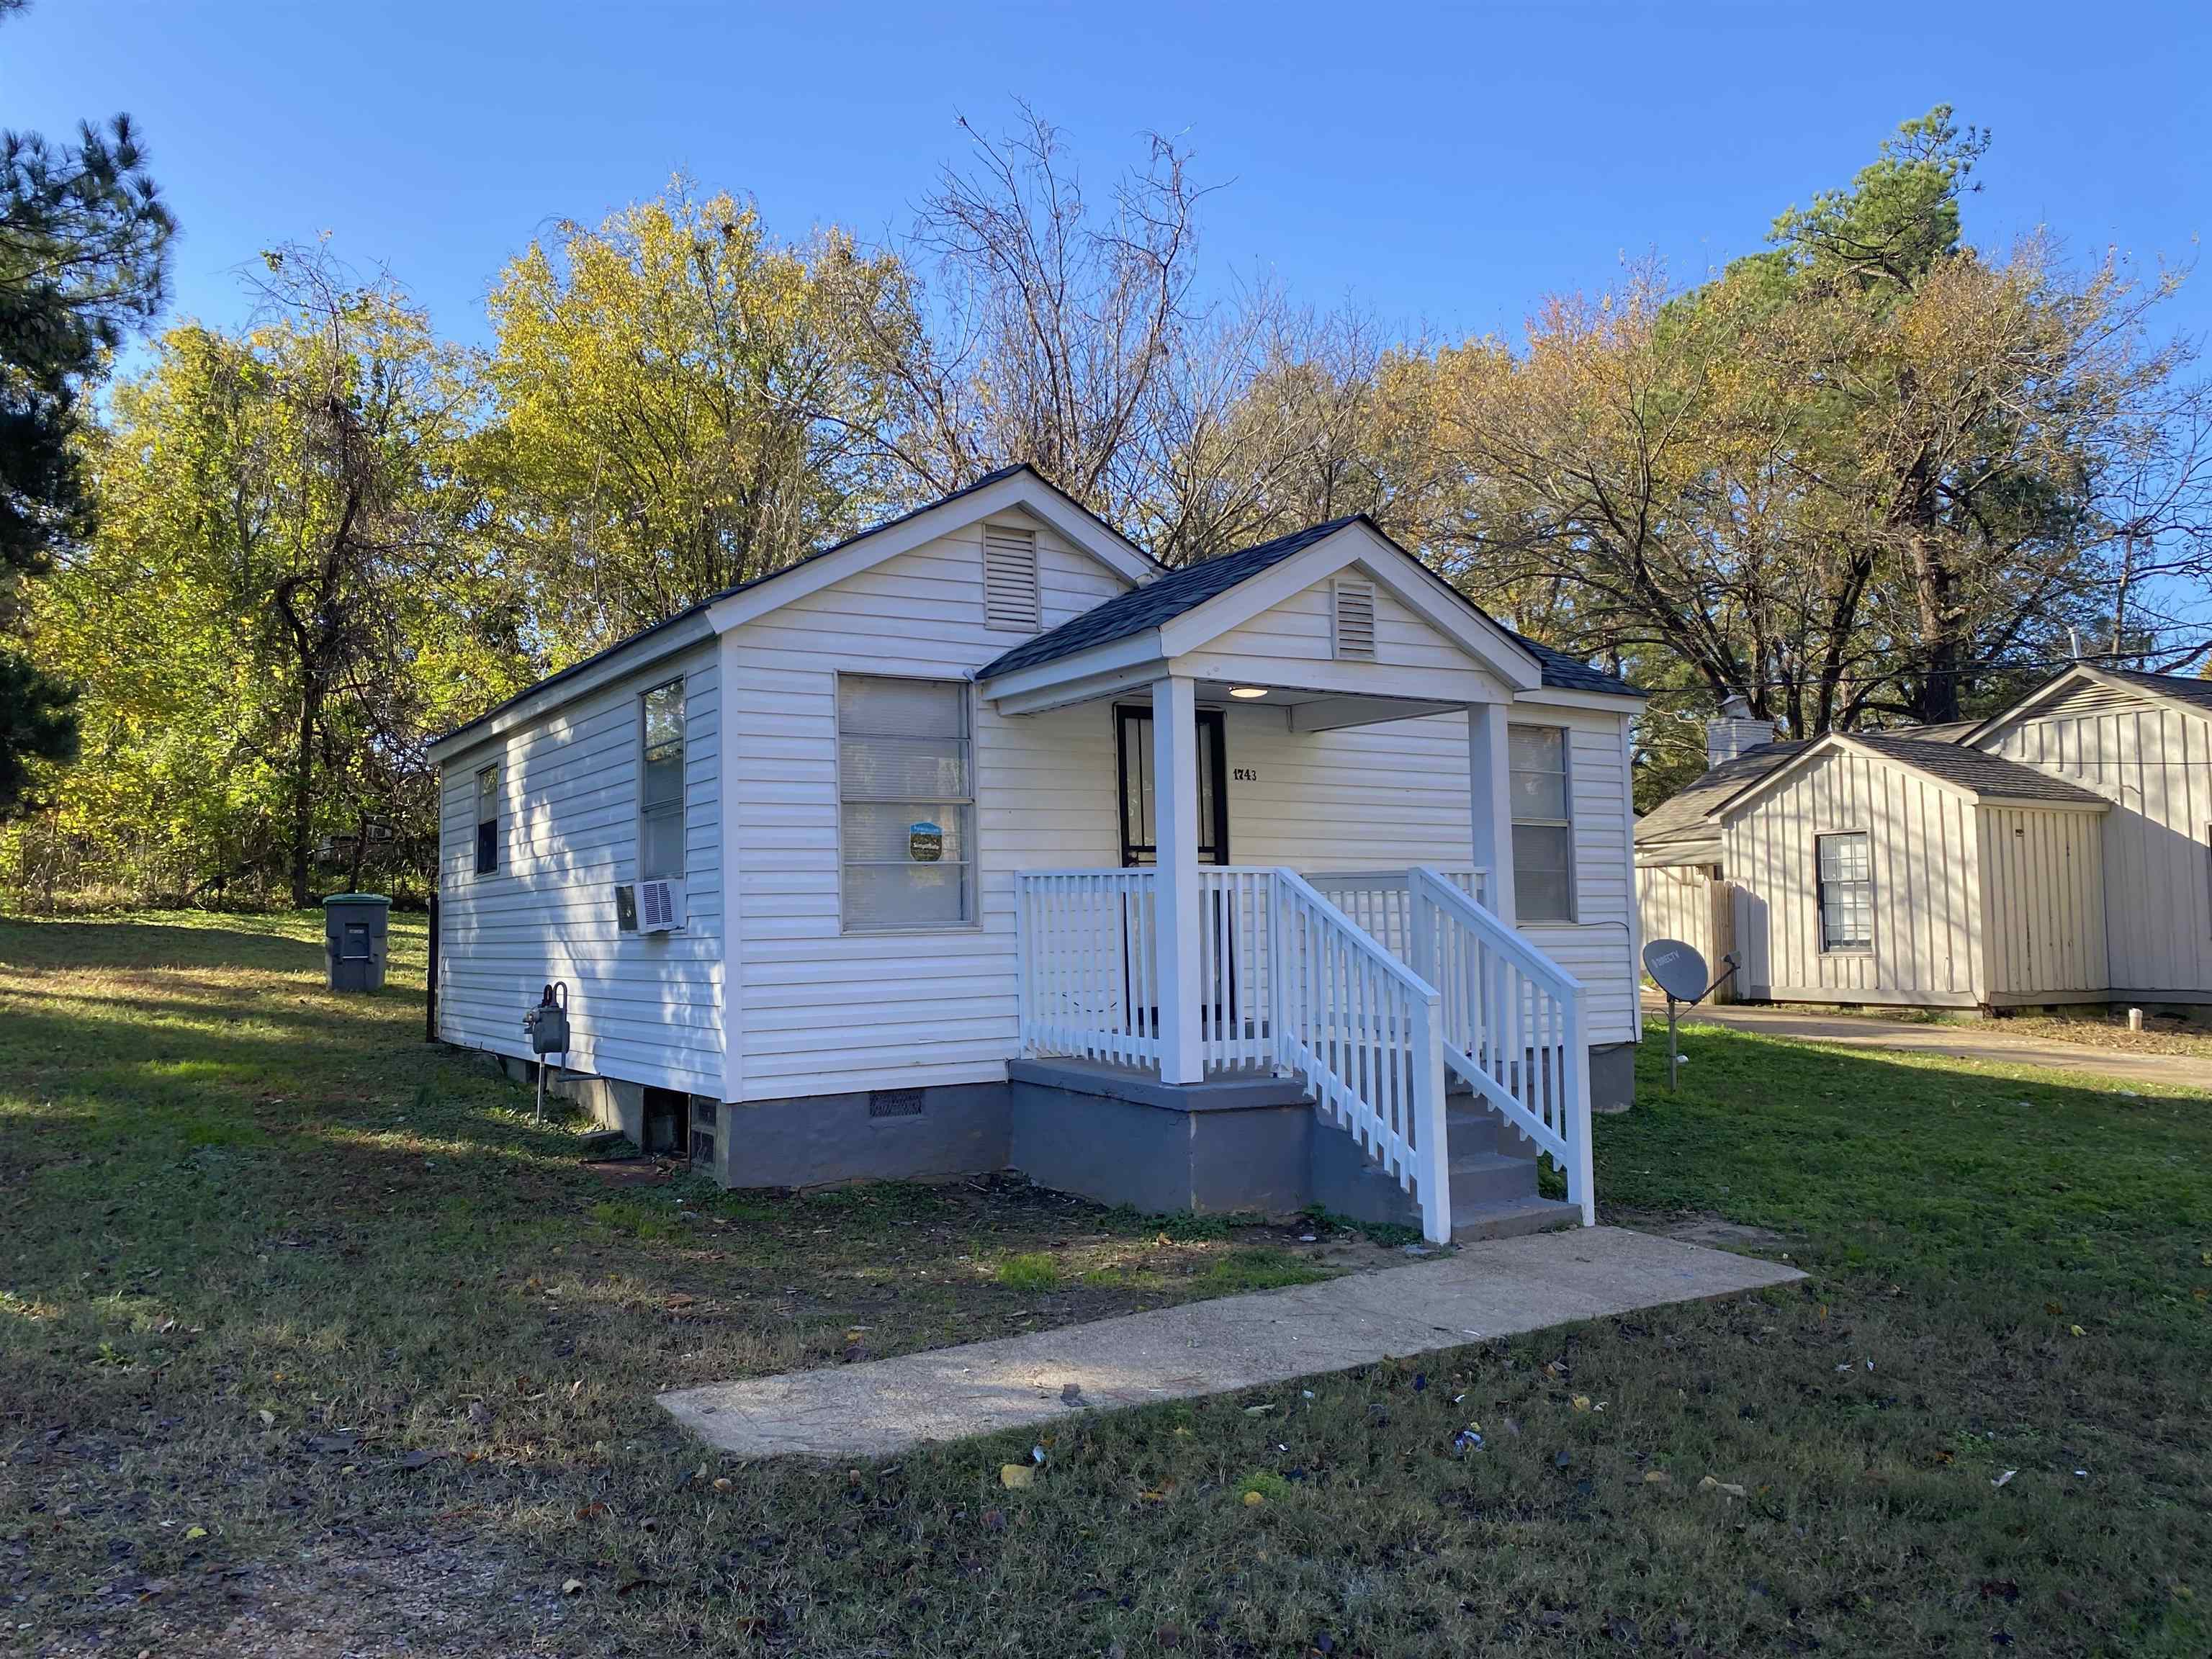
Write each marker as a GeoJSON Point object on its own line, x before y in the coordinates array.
{"type": "Point", "coordinates": [1984, 1040]}
{"type": "Point", "coordinates": [880, 1407]}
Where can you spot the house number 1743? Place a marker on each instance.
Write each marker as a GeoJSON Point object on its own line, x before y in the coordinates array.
{"type": "Point", "coordinates": [1245, 774]}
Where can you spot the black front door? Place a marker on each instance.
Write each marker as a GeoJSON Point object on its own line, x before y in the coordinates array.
{"type": "Point", "coordinates": [1132, 754]}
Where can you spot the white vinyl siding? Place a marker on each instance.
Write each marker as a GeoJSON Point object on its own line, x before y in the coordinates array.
{"type": "Point", "coordinates": [906, 787]}
{"type": "Point", "coordinates": [644, 1009]}
{"type": "Point", "coordinates": [1294, 643]}
{"type": "Point", "coordinates": [661, 791]}
{"type": "Point", "coordinates": [1543, 824]}
{"type": "Point", "coordinates": [826, 1010]}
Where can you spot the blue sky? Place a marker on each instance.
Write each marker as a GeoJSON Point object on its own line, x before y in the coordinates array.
{"type": "Point", "coordinates": [1441, 167]}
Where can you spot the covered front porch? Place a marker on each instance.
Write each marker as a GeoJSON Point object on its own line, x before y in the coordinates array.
{"type": "Point", "coordinates": [1374, 994]}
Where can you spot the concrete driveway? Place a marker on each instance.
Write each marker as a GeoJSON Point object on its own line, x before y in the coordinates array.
{"type": "Point", "coordinates": [1985, 1040]}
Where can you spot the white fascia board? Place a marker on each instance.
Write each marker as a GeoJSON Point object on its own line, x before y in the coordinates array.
{"type": "Point", "coordinates": [1454, 686]}
{"type": "Point", "coordinates": [1024, 491]}
{"type": "Point", "coordinates": [1108, 682]}
{"type": "Point", "coordinates": [1625, 704]}
{"type": "Point", "coordinates": [1106, 658]}
{"type": "Point", "coordinates": [1419, 589]}
{"type": "Point", "coordinates": [619, 662]}
{"type": "Point", "coordinates": [1334, 713]}
{"type": "Point", "coordinates": [2038, 804]}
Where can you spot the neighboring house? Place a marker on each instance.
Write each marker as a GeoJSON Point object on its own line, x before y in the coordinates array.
{"type": "Point", "coordinates": [2059, 852]}
{"type": "Point", "coordinates": [993, 844]}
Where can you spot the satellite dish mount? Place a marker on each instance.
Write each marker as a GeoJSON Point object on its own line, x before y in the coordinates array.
{"type": "Point", "coordinates": [1679, 970]}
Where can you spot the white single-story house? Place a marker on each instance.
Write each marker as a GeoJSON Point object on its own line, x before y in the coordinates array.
{"type": "Point", "coordinates": [980, 840]}
{"type": "Point", "coordinates": [2058, 851]}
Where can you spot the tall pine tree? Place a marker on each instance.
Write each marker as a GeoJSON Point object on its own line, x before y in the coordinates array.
{"type": "Point", "coordinates": [84, 242]}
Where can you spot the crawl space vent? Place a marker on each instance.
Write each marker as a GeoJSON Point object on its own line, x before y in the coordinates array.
{"type": "Point", "coordinates": [894, 1102]}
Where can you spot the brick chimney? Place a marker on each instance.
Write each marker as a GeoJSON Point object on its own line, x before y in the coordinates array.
{"type": "Point", "coordinates": [1734, 732]}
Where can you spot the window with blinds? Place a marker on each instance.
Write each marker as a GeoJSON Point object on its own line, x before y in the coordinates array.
{"type": "Point", "coordinates": [661, 784]}
{"type": "Point", "coordinates": [1355, 622]}
{"type": "Point", "coordinates": [1543, 824]}
{"type": "Point", "coordinates": [906, 804]}
{"type": "Point", "coordinates": [1011, 597]}
{"type": "Point", "coordinates": [1845, 887]}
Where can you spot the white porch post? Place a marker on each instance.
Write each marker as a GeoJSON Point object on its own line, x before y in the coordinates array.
{"type": "Point", "coordinates": [1490, 785]}
{"type": "Point", "coordinates": [1175, 825]}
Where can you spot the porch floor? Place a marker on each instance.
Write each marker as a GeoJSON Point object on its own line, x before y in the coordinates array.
{"type": "Point", "coordinates": [881, 1407]}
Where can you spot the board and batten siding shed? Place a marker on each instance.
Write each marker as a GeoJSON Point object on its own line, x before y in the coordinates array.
{"type": "Point", "coordinates": [2143, 743]}
{"type": "Point", "coordinates": [1953, 879]}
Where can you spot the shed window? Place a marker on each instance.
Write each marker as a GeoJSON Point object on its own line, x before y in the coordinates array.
{"type": "Point", "coordinates": [906, 803]}
{"type": "Point", "coordinates": [1010, 598]}
{"type": "Point", "coordinates": [1543, 824]}
{"type": "Point", "coordinates": [487, 821]}
{"type": "Point", "coordinates": [1846, 890]}
{"type": "Point", "coordinates": [661, 784]}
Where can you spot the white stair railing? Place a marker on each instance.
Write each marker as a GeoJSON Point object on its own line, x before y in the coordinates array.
{"type": "Point", "coordinates": [1516, 1024]}
{"type": "Point", "coordinates": [1380, 901]}
{"type": "Point", "coordinates": [1366, 1034]}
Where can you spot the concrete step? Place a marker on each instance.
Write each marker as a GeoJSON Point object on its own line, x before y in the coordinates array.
{"type": "Point", "coordinates": [1490, 1178]}
{"type": "Point", "coordinates": [1472, 1129]}
{"type": "Point", "coordinates": [1511, 1220]}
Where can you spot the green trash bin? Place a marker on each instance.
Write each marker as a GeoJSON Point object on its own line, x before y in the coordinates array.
{"type": "Point", "coordinates": [355, 929]}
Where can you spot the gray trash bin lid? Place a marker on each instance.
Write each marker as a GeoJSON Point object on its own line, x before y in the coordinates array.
{"type": "Point", "coordinates": [358, 898]}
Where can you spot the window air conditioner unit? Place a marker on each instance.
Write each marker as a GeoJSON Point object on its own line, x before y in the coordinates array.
{"type": "Point", "coordinates": [650, 906]}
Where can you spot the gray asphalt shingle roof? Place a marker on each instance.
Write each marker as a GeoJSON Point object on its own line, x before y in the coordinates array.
{"type": "Point", "coordinates": [1185, 590]}
{"type": "Point", "coordinates": [1689, 807]}
{"type": "Point", "coordinates": [1987, 776]}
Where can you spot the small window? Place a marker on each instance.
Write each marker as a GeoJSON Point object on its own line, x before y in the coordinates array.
{"type": "Point", "coordinates": [1846, 890]}
{"type": "Point", "coordinates": [1355, 621]}
{"type": "Point", "coordinates": [487, 821]}
{"type": "Point", "coordinates": [1543, 824]}
{"type": "Point", "coordinates": [1009, 579]}
{"type": "Point", "coordinates": [907, 804]}
{"type": "Point", "coordinates": [660, 785]}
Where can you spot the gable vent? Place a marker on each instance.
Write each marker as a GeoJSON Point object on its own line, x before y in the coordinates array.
{"type": "Point", "coordinates": [1355, 622]}
{"type": "Point", "coordinates": [1010, 578]}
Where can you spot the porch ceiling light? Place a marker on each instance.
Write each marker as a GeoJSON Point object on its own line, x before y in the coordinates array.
{"type": "Point", "coordinates": [1247, 692]}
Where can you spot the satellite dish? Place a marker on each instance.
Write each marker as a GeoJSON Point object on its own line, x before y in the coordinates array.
{"type": "Point", "coordinates": [1676, 969]}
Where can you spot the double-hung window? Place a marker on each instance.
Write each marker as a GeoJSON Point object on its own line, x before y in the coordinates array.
{"type": "Point", "coordinates": [906, 804]}
{"type": "Point", "coordinates": [1543, 824]}
{"type": "Point", "coordinates": [661, 784]}
{"type": "Point", "coordinates": [1845, 873]}
{"type": "Point", "coordinates": [487, 821]}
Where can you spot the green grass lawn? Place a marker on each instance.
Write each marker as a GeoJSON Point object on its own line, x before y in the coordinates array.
{"type": "Point", "coordinates": [311, 1342]}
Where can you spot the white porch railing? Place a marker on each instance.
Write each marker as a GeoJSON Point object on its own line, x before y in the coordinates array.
{"type": "Point", "coordinates": [1380, 900]}
{"type": "Point", "coordinates": [1089, 976]}
{"type": "Point", "coordinates": [1516, 1024]}
{"type": "Point", "coordinates": [1290, 981]}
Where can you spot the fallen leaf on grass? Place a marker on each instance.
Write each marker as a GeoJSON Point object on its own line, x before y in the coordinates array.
{"type": "Point", "coordinates": [1657, 1478]}
{"type": "Point", "coordinates": [192, 1534]}
{"type": "Point", "coordinates": [2006, 1476]}
{"type": "Point", "coordinates": [572, 1587]}
{"type": "Point", "coordinates": [1729, 1486]}
{"type": "Point", "coordinates": [1582, 1402]}
{"type": "Point", "coordinates": [1016, 1476]}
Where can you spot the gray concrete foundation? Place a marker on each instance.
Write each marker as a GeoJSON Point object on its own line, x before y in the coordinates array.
{"type": "Point", "coordinates": [902, 1134]}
